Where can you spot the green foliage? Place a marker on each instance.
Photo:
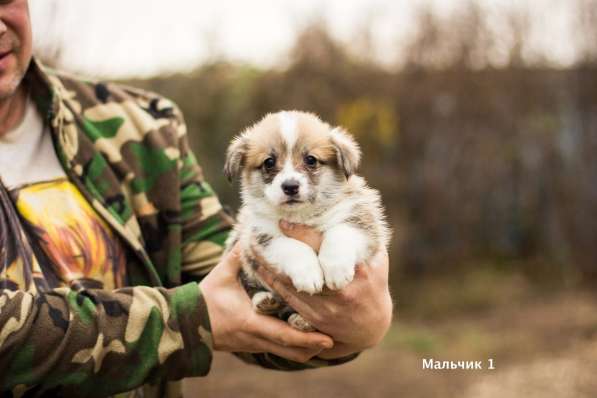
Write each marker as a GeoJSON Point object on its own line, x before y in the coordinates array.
{"type": "Point", "coordinates": [373, 123]}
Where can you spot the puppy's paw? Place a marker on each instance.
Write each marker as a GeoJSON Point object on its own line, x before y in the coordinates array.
{"type": "Point", "coordinates": [298, 261]}
{"type": "Point", "coordinates": [298, 322]}
{"type": "Point", "coordinates": [308, 280]}
{"type": "Point", "coordinates": [266, 303]}
{"type": "Point", "coordinates": [338, 270]}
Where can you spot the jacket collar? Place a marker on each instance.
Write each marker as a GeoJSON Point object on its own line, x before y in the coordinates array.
{"type": "Point", "coordinates": [52, 100]}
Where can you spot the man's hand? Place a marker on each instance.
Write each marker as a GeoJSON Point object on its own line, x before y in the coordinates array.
{"type": "Point", "coordinates": [356, 317]}
{"type": "Point", "coordinates": [236, 327]}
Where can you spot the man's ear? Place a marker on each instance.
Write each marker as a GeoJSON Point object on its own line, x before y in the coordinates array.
{"type": "Point", "coordinates": [235, 157]}
{"type": "Point", "coordinates": [348, 152]}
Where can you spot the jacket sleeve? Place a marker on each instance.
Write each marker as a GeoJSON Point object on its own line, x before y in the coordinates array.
{"type": "Point", "coordinates": [205, 229]}
{"type": "Point", "coordinates": [274, 362]}
{"type": "Point", "coordinates": [97, 343]}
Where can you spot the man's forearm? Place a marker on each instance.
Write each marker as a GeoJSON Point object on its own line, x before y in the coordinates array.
{"type": "Point", "coordinates": [97, 343]}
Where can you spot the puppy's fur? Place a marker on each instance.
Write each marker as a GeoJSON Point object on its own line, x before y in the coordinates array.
{"type": "Point", "coordinates": [297, 168]}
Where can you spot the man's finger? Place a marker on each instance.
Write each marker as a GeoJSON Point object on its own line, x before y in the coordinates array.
{"type": "Point", "coordinates": [378, 265]}
{"type": "Point", "coordinates": [292, 353]}
{"type": "Point", "coordinates": [304, 233]}
{"type": "Point", "coordinates": [280, 332]}
{"type": "Point", "coordinates": [300, 302]}
{"type": "Point", "coordinates": [231, 259]}
{"type": "Point", "coordinates": [380, 259]}
{"type": "Point", "coordinates": [361, 271]}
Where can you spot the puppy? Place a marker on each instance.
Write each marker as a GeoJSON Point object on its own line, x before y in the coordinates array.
{"type": "Point", "coordinates": [295, 167]}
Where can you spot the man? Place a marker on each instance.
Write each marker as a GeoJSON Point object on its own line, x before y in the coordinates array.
{"type": "Point", "coordinates": [112, 277]}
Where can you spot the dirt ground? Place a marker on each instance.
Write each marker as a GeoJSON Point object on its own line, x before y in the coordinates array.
{"type": "Point", "coordinates": [542, 346]}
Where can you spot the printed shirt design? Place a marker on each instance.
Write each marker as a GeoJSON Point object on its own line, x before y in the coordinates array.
{"type": "Point", "coordinates": [75, 247]}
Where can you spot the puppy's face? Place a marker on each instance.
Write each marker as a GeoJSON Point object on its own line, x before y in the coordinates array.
{"type": "Point", "coordinates": [292, 160]}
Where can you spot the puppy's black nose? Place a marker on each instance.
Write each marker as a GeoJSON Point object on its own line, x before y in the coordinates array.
{"type": "Point", "coordinates": [290, 187]}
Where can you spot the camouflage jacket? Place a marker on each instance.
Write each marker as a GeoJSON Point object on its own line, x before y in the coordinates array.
{"type": "Point", "coordinates": [126, 150]}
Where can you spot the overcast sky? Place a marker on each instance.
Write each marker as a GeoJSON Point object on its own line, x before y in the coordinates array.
{"type": "Point", "coordinates": [144, 37]}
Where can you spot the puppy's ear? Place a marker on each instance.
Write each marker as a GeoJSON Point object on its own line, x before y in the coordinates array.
{"type": "Point", "coordinates": [348, 152]}
{"type": "Point", "coordinates": [235, 157]}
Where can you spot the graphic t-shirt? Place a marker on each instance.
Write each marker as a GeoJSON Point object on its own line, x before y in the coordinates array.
{"type": "Point", "coordinates": [50, 236]}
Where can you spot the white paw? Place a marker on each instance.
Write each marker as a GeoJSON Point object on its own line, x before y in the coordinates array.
{"type": "Point", "coordinates": [298, 322]}
{"type": "Point", "coordinates": [266, 303]}
{"type": "Point", "coordinates": [297, 260]}
{"type": "Point", "coordinates": [308, 280]}
{"type": "Point", "coordinates": [338, 270]}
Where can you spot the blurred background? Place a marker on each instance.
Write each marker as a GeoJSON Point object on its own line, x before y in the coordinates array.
{"type": "Point", "coordinates": [478, 121]}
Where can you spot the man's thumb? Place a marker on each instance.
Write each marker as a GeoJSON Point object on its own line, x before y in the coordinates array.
{"type": "Point", "coordinates": [232, 259]}
{"type": "Point", "coordinates": [304, 233]}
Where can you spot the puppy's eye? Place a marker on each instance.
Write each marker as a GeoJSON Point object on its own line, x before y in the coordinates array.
{"type": "Point", "coordinates": [269, 163]}
{"type": "Point", "coordinates": [310, 161]}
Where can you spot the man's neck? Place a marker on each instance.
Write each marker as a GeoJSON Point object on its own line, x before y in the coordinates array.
{"type": "Point", "coordinates": [12, 110]}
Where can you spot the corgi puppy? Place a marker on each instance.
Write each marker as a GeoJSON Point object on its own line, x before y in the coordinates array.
{"type": "Point", "coordinates": [295, 167]}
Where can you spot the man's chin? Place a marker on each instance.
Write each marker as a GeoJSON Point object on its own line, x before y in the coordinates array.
{"type": "Point", "coordinates": [10, 80]}
{"type": "Point", "coordinates": [9, 84]}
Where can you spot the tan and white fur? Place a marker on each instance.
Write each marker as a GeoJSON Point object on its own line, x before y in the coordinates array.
{"type": "Point", "coordinates": [295, 167]}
